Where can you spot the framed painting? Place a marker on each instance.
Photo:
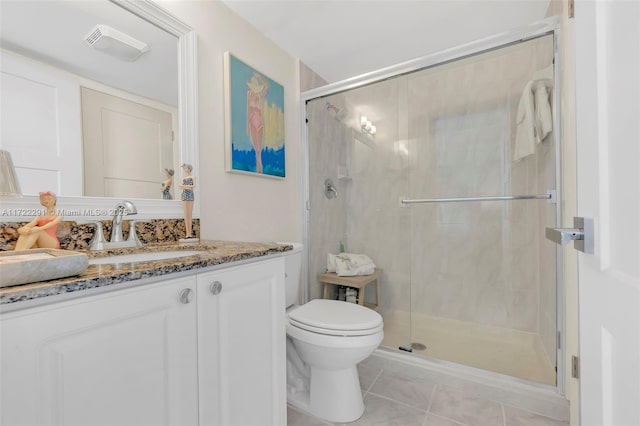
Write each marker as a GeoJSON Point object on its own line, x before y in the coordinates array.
{"type": "Point", "coordinates": [254, 127]}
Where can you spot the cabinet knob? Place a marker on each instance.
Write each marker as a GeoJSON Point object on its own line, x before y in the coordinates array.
{"type": "Point", "coordinates": [215, 287]}
{"type": "Point", "coordinates": [186, 295]}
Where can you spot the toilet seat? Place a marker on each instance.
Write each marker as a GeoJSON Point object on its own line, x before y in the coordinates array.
{"type": "Point", "coordinates": [336, 318]}
{"type": "Point", "coordinates": [331, 332]}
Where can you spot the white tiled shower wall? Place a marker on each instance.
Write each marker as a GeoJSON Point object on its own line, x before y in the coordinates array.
{"type": "Point", "coordinates": [443, 132]}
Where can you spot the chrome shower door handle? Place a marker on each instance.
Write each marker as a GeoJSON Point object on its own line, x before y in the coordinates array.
{"type": "Point", "coordinates": [581, 234]}
{"type": "Point", "coordinates": [563, 235]}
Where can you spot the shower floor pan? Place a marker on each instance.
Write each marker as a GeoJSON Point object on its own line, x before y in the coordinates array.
{"type": "Point", "coordinates": [511, 352]}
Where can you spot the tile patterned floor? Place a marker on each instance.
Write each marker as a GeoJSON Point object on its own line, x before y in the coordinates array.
{"type": "Point", "coordinates": [409, 397]}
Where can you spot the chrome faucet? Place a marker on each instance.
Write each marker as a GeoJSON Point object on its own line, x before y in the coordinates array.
{"type": "Point", "coordinates": [123, 208]}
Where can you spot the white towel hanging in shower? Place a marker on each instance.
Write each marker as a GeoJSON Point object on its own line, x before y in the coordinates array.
{"type": "Point", "coordinates": [525, 130]}
{"type": "Point", "coordinates": [534, 119]}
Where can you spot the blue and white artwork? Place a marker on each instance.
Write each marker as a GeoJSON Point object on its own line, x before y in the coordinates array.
{"type": "Point", "coordinates": [255, 121]}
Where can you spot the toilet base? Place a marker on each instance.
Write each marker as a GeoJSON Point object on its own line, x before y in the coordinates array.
{"type": "Point", "coordinates": [334, 395]}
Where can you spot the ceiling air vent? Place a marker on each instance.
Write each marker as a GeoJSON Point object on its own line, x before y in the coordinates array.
{"type": "Point", "coordinates": [115, 43]}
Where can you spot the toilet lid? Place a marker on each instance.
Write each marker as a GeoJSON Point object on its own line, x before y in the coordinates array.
{"type": "Point", "coordinates": [336, 317]}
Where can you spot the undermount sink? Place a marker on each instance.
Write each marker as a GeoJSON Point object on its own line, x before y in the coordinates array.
{"type": "Point", "coordinates": [144, 257]}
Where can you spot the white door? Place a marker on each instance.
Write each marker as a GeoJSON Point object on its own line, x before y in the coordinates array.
{"type": "Point", "coordinates": [40, 115]}
{"type": "Point", "coordinates": [117, 136]}
{"type": "Point", "coordinates": [608, 147]}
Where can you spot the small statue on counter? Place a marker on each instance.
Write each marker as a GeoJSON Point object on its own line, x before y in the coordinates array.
{"type": "Point", "coordinates": [166, 185]}
{"type": "Point", "coordinates": [188, 183]}
{"type": "Point", "coordinates": [41, 231]}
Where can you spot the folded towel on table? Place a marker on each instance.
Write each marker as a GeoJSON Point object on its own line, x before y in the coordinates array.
{"type": "Point", "coordinates": [349, 264]}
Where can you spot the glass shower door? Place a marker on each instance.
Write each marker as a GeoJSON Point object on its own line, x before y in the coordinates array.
{"type": "Point", "coordinates": [471, 282]}
{"type": "Point", "coordinates": [483, 288]}
{"type": "Point", "coordinates": [369, 172]}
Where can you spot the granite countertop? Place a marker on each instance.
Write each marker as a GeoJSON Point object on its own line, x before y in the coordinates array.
{"type": "Point", "coordinates": [107, 274]}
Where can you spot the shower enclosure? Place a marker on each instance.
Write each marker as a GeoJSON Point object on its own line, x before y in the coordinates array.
{"type": "Point", "coordinates": [446, 177]}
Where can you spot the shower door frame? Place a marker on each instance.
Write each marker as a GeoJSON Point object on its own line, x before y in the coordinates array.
{"type": "Point", "coordinates": [548, 26]}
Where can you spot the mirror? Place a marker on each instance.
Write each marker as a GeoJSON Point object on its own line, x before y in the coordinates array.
{"type": "Point", "coordinates": [52, 149]}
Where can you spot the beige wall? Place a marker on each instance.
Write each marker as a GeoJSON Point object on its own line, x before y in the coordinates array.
{"type": "Point", "coordinates": [235, 206]}
{"type": "Point", "coordinates": [309, 79]}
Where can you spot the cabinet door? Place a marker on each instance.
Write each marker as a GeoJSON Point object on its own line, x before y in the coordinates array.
{"type": "Point", "coordinates": [242, 338]}
{"type": "Point", "coordinates": [127, 357]}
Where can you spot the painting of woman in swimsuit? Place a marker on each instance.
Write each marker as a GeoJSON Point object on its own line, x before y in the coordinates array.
{"type": "Point", "coordinates": [255, 133]}
{"type": "Point", "coordinates": [257, 90]}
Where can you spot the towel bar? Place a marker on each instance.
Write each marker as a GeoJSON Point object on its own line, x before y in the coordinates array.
{"type": "Point", "coordinates": [550, 195]}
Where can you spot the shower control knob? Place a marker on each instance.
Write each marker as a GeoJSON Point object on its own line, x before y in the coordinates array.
{"type": "Point", "coordinates": [186, 296]}
{"type": "Point", "coordinates": [215, 287]}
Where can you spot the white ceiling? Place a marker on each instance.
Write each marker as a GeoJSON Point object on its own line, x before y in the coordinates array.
{"type": "Point", "coordinates": [53, 32]}
{"type": "Point", "coordinates": [339, 39]}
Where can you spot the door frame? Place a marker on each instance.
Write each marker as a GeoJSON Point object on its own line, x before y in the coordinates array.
{"type": "Point", "coordinates": [548, 26]}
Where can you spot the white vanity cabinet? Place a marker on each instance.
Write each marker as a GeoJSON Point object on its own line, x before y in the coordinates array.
{"type": "Point", "coordinates": [242, 344]}
{"type": "Point", "coordinates": [207, 348]}
{"type": "Point", "coordinates": [119, 358]}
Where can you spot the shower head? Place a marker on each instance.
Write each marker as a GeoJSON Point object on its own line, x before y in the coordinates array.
{"type": "Point", "coordinates": [338, 113]}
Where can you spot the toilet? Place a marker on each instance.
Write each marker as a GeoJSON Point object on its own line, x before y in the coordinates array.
{"type": "Point", "coordinates": [326, 339]}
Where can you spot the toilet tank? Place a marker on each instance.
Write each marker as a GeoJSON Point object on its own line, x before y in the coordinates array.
{"type": "Point", "coordinates": [292, 264]}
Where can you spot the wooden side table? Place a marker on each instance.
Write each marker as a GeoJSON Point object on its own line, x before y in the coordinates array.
{"type": "Point", "coordinates": [359, 282]}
